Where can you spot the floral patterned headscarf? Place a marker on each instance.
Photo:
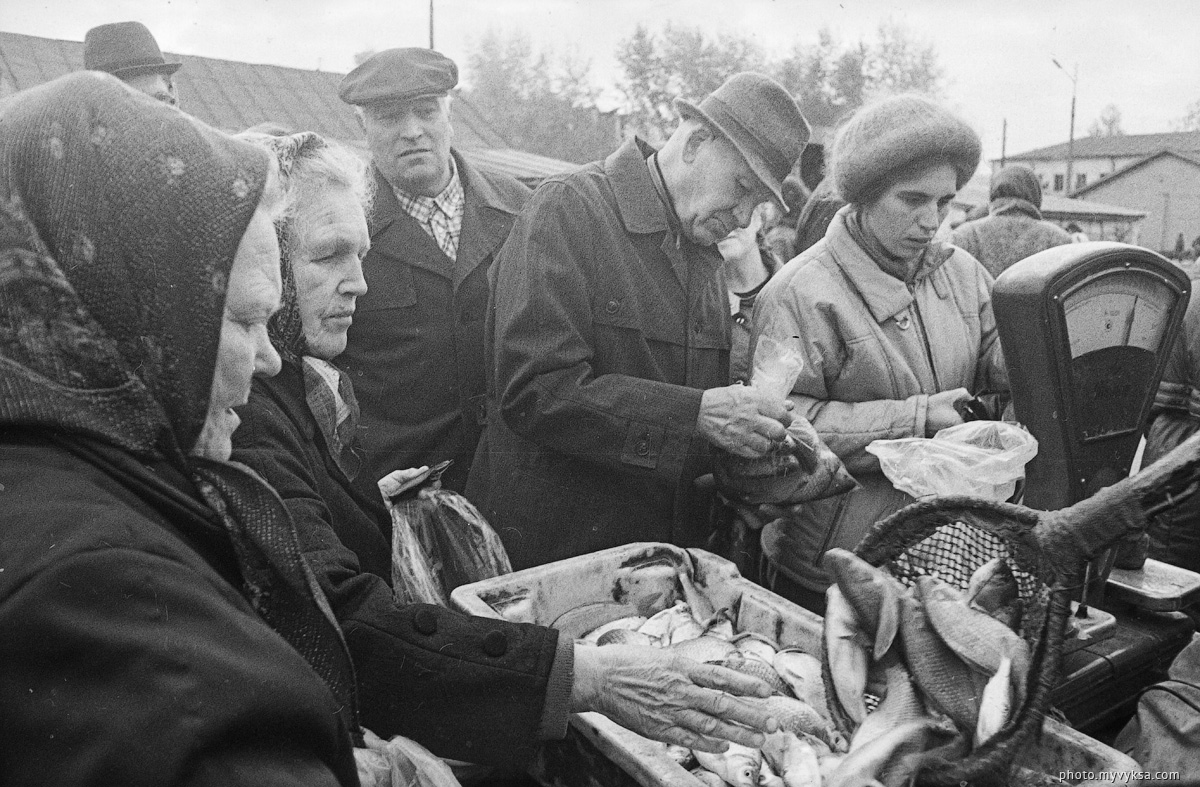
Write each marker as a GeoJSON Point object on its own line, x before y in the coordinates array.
{"type": "Point", "coordinates": [120, 219]}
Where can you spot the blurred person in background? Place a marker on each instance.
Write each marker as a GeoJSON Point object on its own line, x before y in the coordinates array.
{"type": "Point", "coordinates": [129, 52]}
{"type": "Point", "coordinates": [1013, 228]}
{"type": "Point", "coordinates": [896, 327]}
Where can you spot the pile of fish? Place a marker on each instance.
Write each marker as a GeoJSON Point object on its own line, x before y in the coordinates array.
{"type": "Point", "coordinates": [946, 666]}
{"type": "Point", "coordinates": [806, 750]}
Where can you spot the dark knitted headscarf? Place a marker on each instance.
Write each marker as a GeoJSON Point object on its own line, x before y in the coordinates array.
{"type": "Point", "coordinates": [1017, 181]}
{"type": "Point", "coordinates": [120, 219]}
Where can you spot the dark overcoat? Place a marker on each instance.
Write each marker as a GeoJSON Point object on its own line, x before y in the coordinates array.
{"type": "Point", "coordinates": [605, 326]}
{"type": "Point", "coordinates": [467, 688]}
{"type": "Point", "coordinates": [415, 350]}
{"type": "Point", "coordinates": [120, 615]}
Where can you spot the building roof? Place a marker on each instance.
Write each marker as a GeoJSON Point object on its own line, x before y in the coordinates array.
{"type": "Point", "coordinates": [232, 96]}
{"type": "Point", "coordinates": [1054, 207]}
{"type": "Point", "coordinates": [1193, 161]}
{"type": "Point", "coordinates": [1123, 146]}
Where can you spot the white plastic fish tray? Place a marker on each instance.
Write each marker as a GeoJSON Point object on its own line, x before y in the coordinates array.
{"type": "Point", "coordinates": [598, 752]}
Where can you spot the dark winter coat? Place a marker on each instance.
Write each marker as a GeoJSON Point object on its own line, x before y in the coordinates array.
{"type": "Point", "coordinates": [467, 688]}
{"type": "Point", "coordinates": [415, 350]}
{"type": "Point", "coordinates": [604, 330]}
{"type": "Point", "coordinates": [129, 657]}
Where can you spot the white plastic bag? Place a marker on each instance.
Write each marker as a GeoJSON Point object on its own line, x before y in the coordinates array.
{"type": "Point", "coordinates": [400, 762]}
{"type": "Point", "coordinates": [776, 367]}
{"type": "Point", "coordinates": [979, 458]}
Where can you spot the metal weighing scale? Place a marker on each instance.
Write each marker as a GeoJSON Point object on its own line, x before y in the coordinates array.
{"type": "Point", "coordinates": [1086, 329]}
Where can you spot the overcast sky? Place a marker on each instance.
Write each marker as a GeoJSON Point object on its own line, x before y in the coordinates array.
{"type": "Point", "coordinates": [1142, 55]}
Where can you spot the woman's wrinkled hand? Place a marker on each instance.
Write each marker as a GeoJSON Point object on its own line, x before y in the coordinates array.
{"type": "Point", "coordinates": [670, 698]}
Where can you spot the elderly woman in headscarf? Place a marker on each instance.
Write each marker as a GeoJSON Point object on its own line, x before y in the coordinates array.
{"type": "Point", "coordinates": [1013, 228]}
{"type": "Point", "coordinates": [159, 624]}
{"type": "Point", "coordinates": [468, 688]}
{"type": "Point", "coordinates": [896, 328]}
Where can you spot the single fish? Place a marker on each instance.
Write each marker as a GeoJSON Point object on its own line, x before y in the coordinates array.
{"type": "Point", "coordinates": [587, 618]}
{"type": "Point", "coordinates": [900, 705]}
{"type": "Point", "coordinates": [974, 636]}
{"type": "Point", "coordinates": [720, 624]}
{"type": "Point", "coordinates": [756, 669]}
{"type": "Point", "coordinates": [738, 765]}
{"type": "Point", "coordinates": [802, 673]}
{"type": "Point", "coordinates": [624, 637]}
{"type": "Point", "coordinates": [992, 586]}
{"type": "Point", "coordinates": [686, 630]}
{"type": "Point", "coordinates": [756, 646]}
{"type": "Point", "coordinates": [660, 625]}
{"type": "Point", "coordinates": [794, 759]}
{"type": "Point", "coordinates": [874, 595]}
{"type": "Point", "coordinates": [802, 719]}
{"type": "Point", "coordinates": [945, 679]}
{"type": "Point", "coordinates": [885, 758]}
{"type": "Point", "coordinates": [996, 704]}
{"type": "Point", "coordinates": [847, 650]}
{"type": "Point", "coordinates": [632, 623]}
{"type": "Point", "coordinates": [681, 755]}
{"type": "Point", "coordinates": [767, 776]}
{"type": "Point", "coordinates": [707, 778]}
{"type": "Point", "coordinates": [704, 648]}
{"type": "Point", "coordinates": [702, 608]}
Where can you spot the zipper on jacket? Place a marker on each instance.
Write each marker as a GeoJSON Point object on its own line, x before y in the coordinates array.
{"type": "Point", "coordinates": [937, 384]}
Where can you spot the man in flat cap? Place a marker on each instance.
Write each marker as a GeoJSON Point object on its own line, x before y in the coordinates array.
{"type": "Point", "coordinates": [415, 351]}
{"type": "Point", "coordinates": [609, 335]}
{"type": "Point", "coordinates": [129, 52]}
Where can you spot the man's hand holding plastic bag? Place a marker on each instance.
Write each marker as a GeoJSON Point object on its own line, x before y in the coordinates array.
{"type": "Point", "coordinates": [797, 468]}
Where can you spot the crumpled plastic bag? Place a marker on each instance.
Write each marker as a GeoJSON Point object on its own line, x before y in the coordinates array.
{"type": "Point", "coordinates": [776, 367]}
{"type": "Point", "coordinates": [980, 458]}
{"type": "Point", "coordinates": [400, 762]}
{"type": "Point", "coordinates": [439, 539]}
{"type": "Point", "coordinates": [800, 469]}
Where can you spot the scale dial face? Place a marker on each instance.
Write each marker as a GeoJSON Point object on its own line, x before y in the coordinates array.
{"type": "Point", "coordinates": [1115, 325]}
{"type": "Point", "coordinates": [1123, 309]}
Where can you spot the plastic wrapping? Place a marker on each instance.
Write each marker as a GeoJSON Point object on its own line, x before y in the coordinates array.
{"type": "Point", "coordinates": [439, 539]}
{"type": "Point", "coordinates": [979, 458]}
{"type": "Point", "coordinates": [400, 762]}
{"type": "Point", "coordinates": [776, 367]}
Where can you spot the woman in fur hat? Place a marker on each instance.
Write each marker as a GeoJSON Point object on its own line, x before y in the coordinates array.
{"type": "Point", "coordinates": [896, 326]}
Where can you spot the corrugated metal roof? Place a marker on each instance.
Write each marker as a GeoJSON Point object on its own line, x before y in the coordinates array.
{"type": "Point", "coordinates": [1123, 146]}
{"type": "Point", "coordinates": [232, 96]}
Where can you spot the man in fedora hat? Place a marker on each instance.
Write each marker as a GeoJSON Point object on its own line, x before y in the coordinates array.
{"type": "Point", "coordinates": [129, 52]}
{"type": "Point", "coordinates": [609, 334]}
{"type": "Point", "coordinates": [415, 350]}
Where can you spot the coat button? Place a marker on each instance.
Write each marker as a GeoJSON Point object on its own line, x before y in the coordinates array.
{"type": "Point", "coordinates": [902, 322]}
{"type": "Point", "coordinates": [425, 622]}
{"type": "Point", "coordinates": [612, 307]}
{"type": "Point", "coordinates": [495, 644]}
{"type": "Point", "coordinates": [641, 448]}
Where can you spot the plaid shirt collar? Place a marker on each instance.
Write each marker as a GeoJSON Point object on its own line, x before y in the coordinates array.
{"type": "Point", "coordinates": [440, 216]}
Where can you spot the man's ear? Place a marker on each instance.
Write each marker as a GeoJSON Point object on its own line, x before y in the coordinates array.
{"type": "Point", "coordinates": [695, 140]}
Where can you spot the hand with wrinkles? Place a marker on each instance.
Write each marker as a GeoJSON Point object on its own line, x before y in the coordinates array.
{"type": "Point", "coordinates": [743, 420]}
{"type": "Point", "coordinates": [670, 698]}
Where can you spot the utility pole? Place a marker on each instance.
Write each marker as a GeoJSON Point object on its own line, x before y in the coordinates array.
{"type": "Point", "coordinates": [431, 24]}
{"type": "Point", "coordinates": [1070, 139]}
{"type": "Point", "coordinates": [1003, 141]}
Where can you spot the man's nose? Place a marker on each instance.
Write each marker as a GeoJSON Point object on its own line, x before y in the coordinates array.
{"type": "Point", "coordinates": [409, 126]}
